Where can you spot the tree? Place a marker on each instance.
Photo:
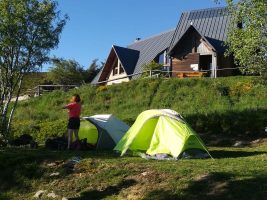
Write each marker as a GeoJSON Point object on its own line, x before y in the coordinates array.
{"type": "Point", "coordinates": [92, 71]}
{"type": "Point", "coordinates": [247, 39]}
{"type": "Point", "coordinates": [150, 67]}
{"type": "Point", "coordinates": [29, 29]}
{"type": "Point", "coordinates": [66, 72]}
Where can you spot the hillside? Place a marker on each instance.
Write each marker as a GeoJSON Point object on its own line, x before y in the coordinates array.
{"type": "Point", "coordinates": [231, 107]}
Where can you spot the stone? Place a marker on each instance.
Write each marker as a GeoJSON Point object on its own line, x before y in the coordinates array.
{"type": "Point", "coordinates": [39, 194]}
{"type": "Point", "coordinates": [52, 195]}
{"type": "Point", "coordinates": [54, 174]}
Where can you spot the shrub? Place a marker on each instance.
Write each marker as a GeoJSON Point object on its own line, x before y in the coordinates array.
{"type": "Point", "coordinates": [39, 131]}
{"type": "Point", "coordinates": [51, 129]}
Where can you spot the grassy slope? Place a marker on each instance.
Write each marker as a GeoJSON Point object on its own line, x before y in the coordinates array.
{"type": "Point", "coordinates": [235, 173]}
{"type": "Point", "coordinates": [226, 107]}
{"type": "Point", "coordinates": [221, 107]}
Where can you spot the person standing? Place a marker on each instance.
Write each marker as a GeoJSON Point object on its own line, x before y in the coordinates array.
{"type": "Point", "coordinates": [74, 111]}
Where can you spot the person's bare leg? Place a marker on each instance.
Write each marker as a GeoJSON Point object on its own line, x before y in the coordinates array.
{"type": "Point", "coordinates": [76, 131]}
{"type": "Point", "coordinates": [69, 137]}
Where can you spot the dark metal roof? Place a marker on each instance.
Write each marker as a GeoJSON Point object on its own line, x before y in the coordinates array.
{"type": "Point", "coordinates": [192, 28]}
{"type": "Point", "coordinates": [150, 48]}
{"type": "Point", "coordinates": [128, 58]}
{"type": "Point", "coordinates": [213, 23]}
{"type": "Point", "coordinates": [95, 80]}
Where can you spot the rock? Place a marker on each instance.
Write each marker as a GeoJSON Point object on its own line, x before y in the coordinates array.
{"type": "Point", "coordinates": [144, 173]}
{"type": "Point", "coordinates": [240, 144]}
{"type": "Point", "coordinates": [64, 198]}
{"type": "Point", "coordinates": [39, 194]}
{"type": "Point", "coordinates": [52, 195]}
{"type": "Point", "coordinates": [54, 174]}
{"type": "Point", "coordinates": [51, 164]}
{"type": "Point", "coordinates": [256, 141]}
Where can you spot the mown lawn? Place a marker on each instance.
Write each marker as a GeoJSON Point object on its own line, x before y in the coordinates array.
{"type": "Point", "coordinates": [235, 173]}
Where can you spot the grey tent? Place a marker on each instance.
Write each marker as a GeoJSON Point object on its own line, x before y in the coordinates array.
{"type": "Point", "coordinates": [106, 132]}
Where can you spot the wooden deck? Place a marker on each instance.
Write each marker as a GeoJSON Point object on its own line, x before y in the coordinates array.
{"type": "Point", "coordinates": [191, 74]}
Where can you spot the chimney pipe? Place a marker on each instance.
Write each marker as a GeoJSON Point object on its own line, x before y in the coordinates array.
{"type": "Point", "coordinates": [137, 39]}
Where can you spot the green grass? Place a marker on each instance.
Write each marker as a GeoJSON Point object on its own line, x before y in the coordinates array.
{"type": "Point", "coordinates": [235, 173]}
{"type": "Point", "coordinates": [225, 107]}
{"type": "Point", "coordinates": [220, 110]}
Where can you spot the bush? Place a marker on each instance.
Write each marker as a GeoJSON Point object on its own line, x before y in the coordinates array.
{"type": "Point", "coordinates": [41, 131]}
{"type": "Point", "coordinates": [51, 129]}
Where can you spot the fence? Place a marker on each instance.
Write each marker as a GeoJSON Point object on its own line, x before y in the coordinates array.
{"type": "Point", "coordinates": [38, 90]}
{"type": "Point", "coordinates": [165, 73]}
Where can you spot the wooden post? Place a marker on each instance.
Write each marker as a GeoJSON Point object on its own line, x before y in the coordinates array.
{"type": "Point", "coordinates": [170, 70]}
{"type": "Point", "coordinates": [214, 65]}
{"type": "Point", "coordinates": [38, 90]}
{"type": "Point", "coordinates": [150, 73]}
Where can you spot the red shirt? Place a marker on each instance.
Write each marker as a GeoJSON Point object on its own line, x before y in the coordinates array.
{"type": "Point", "coordinates": [74, 110]}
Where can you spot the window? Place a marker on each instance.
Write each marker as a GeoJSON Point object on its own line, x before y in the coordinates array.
{"type": "Point", "coordinates": [117, 69]}
{"type": "Point", "coordinates": [121, 69]}
{"type": "Point", "coordinates": [163, 58]}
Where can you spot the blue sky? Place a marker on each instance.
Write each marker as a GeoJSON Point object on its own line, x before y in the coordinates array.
{"type": "Point", "coordinates": [95, 25]}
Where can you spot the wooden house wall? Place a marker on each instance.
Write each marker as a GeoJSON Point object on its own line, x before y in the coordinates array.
{"type": "Point", "coordinates": [184, 63]}
{"type": "Point", "coordinates": [188, 52]}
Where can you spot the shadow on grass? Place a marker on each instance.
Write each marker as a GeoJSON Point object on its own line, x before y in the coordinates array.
{"type": "Point", "coordinates": [109, 191]}
{"type": "Point", "coordinates": [218, 186]}
{"type": "Point", "coordinates": [161, 195]}
{"type": "Point", "coordinates": [19, 166]}
{"type": "Point", "coordinates": [234, 154]}
{"type": "Point", "coordinates": [4, 197]}
{"type": "Point", "coordinates": [224, 128]}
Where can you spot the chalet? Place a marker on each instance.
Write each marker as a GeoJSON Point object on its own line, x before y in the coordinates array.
{"type": "Point", "coordinates": [123, 62]}
{"type": "Point", "coordinates": [195, 48]}
{"type": "Point", "coordinates": [198, 43]}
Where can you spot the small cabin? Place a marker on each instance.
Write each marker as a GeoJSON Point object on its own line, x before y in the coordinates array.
{"type": "Point", "coordinates": [126, 63]}
{"type": "Point", "coordinates": [197, 47]}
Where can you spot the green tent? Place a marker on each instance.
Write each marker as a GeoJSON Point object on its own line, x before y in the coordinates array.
{"type": "Point", "coordinates": [160, 131]}
{"type": "Point", "coordinates": [89, 131]}
{"type": "Point", "coordinates": [104, 131]}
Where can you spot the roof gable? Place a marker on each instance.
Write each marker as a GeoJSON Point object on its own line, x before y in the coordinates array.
{"type": "Point", "coordinates": [192, 28]}
{"type": "Point", "coordinates": [127, 57]}
{"type": "Point", "coordinates": [211, 23]}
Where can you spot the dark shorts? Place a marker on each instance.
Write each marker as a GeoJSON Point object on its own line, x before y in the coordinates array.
{"type": "Point", "coordinates": [74, 123]}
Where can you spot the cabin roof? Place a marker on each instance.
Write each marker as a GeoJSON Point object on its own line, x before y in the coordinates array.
{"type": "Point", "coordinates": [137, 54]}
{"type": "Point", "coordinates": [128, 58]}
{"type": "Point", "coordinates": [212, 23]}
{"type": "Point", "coordinates": [96, 79]}
{"type": "Point", "coordinates": [150, 48]}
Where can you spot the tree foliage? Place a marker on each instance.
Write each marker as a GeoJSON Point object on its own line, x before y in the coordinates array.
{"type": "Point", "coordinates": [29, 29]}
{"type": "Point", "coordinates": [151, 68]}
{"type": "Point", "coordinates": [69, 72]}
{"type": "Point", "coordinates": [248, 43]}
{"type": "Point", "coordinates": [66, 72]}
{"type": "Point", "coordinates": [92, 70]}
